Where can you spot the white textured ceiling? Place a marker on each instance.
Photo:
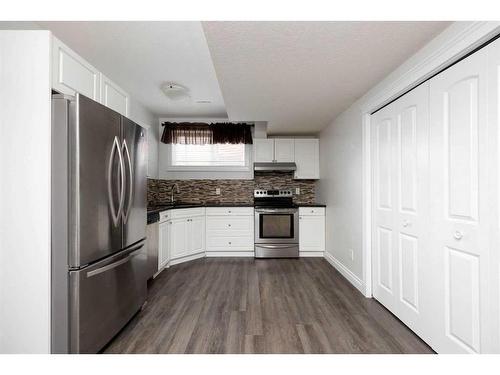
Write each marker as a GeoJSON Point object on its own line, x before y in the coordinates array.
{"type": "Point", "coordinates": [299, 76]}
{"type": "Point", "coordinates": [140, 56]}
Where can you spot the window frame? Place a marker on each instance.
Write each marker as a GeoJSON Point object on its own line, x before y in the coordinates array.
{"type": "Point", "coordinates": [200, 168]}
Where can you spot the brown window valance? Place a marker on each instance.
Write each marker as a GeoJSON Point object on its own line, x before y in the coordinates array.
{"type": "Point", "coordinates": [202, 133]}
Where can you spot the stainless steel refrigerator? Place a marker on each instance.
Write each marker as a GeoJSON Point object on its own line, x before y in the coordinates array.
{"type": "Point", "coordinates": [99, 260]}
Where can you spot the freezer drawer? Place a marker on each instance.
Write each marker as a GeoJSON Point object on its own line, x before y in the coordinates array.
{"type": "Point", "coordinates": [104, 297]}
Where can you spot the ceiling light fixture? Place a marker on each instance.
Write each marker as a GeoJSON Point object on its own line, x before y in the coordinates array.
{"type": "Point", "coordinates": [174, 91]}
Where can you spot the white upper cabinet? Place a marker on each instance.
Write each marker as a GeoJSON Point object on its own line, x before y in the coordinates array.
{"type": "Point", "coordinates": [303, 151]}
{"type": "Point", "coordinates": [307, 158]}
{"type": "Point", "coordinates": [264, 150]}
{"type": "Point", "coordinates": [112, 96]}
{"type": "Point", "coordinates": [71, 73]}
{"type": "Point", "coordinates": [284, 150]}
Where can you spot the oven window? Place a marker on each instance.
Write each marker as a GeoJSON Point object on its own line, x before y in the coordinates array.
{"type": "Point", "coordinates": [276, 226]}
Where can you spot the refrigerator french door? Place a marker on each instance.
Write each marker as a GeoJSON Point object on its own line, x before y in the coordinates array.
{"type": "Point", "coordinates": [105, 197]}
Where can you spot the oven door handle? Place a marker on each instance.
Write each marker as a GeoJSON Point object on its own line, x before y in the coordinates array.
{"type": "Point", "coordinates": [283, 246]}
{"type": "Point", "coordinates": [276, 211]}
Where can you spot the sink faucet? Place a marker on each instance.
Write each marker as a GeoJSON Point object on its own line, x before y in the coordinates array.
{"type": "Point", "coordinates": [172, 192]}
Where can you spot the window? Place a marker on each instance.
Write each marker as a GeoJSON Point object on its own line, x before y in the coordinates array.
{"type": "Point", "coordinates": [209, 155]}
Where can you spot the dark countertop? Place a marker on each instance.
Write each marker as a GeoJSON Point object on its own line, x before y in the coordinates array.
{"type": "Point", "coordinates": [178, 206]}
{"type": "Point", "coordinates": [155, 209]}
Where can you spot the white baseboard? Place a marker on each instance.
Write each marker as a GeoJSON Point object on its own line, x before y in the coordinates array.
{"type": "Point", "coordinates": [346, 272]}
{"type": "Point", "coordinates": [311, 254]}
{"type": "Point", "coordinates": [243, 254]}
{"type": "Point", "coordinates": [186, 258]}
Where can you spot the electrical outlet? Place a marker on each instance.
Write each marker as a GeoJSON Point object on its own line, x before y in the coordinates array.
{"type": "Point", "coordinates": [351, 253]}
{"type": "Point", "coordinates": [217, 191]}
{"type": "Point", "coordinates": [297, 191]}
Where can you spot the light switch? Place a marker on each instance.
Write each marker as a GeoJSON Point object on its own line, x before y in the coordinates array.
{"type": "Point", "coordinates": [217, 191]}
{"type": "Point", "coordinates": [297, 191]}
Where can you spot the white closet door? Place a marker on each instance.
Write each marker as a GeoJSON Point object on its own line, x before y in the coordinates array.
{"type": "Point", "coordinates": [460, 206]}
{"type": "Point", "coordinates": [494, 194]}
{"type": "Point", "coordinates": [400, 207]}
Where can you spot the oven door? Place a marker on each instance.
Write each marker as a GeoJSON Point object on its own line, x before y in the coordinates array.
{"type": "Point", "coordinates": [276, 225]}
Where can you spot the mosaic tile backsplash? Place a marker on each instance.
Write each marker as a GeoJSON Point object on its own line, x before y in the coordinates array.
{"type": "Point", "coordinates": [232, 191]}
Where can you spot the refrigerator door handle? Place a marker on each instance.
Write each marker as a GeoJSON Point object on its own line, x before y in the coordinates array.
{"type": "Point", "coordinates": [115, 264]}
{"type": "Point", "coordinates": [130, 181]}
{"type": "Point", "coordinates": [115, 214]}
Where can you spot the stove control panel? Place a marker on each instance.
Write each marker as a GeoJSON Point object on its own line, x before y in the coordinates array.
{"type": "Point", "coordinates": [272, 193]}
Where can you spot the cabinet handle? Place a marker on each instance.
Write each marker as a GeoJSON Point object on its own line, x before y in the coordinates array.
{"type": "Point", "coordinates": [229, 242]}
{"type": "Point", "coordinates": [458, 235]}
{"type": "Point", "coordinates": [229, 225]}
{"type": "Point", "coordinates": [406, 223]}
{"type": "Point", "coordinates": [229, 212]}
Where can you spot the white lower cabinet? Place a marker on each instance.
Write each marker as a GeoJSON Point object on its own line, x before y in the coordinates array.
{"type": "Point", "coordinates": [181, 236]}
{"type": "Point", "coordinates": [311, 230]}
{"type": "Point", "coordinates": [230, 231]}
{"type": "Point", "coordinates": [163, 245]}
{"type": "Point", "coordinates": [187, 233]}
{"type": "Point", "coordinates": [178, 238]}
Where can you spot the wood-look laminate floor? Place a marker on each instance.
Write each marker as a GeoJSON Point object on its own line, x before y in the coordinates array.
{"type": "Point", "coordinates": [243, 305]}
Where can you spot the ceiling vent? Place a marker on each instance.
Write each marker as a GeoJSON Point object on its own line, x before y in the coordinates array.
{"type": "Point", "coordinates": [176, 92]}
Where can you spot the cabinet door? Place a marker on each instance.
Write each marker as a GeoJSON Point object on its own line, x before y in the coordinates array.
{"type": "Point", "coordinates": [196, 234]}
{"type": "Point", "coordinates": [307, 158]}
{"type": "Point", "coordinates": [284, 150]}
{"type": "Point", "coordinates": [263, 150]}
{"type": "Point", "coordinates": [163, 245]}
{"type": "Point", "coordinates": [178, 238]}
{"type": "Point", "coordinates": [71, 73]}
{"type": "Point", "coordinates": [312, 233]}
{"type": "Point", "coordinates": [460, 208]}
{"type": "Point", "coordinates": [112, 96]}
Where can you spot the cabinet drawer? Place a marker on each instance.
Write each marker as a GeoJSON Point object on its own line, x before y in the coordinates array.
{"type": "Point", "coordinates": [231, 224]}
{"type": "Point", "coordinates": [165, 215]}
{"type": "Point", "coordinates": [233, 211]}
{"type": "Point", "coordinates": [187, 212]}
{"type": "Point", "coordinates": [312, 211]}
{"type": "Point", "coordinates": [216, 243]}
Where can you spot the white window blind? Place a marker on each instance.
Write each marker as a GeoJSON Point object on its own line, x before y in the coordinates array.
{"type": "Point", "coordinates": [209, 155]}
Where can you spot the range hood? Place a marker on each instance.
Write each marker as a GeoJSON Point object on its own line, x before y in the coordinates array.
{"type": "Point", "coordinates": [274, 167]}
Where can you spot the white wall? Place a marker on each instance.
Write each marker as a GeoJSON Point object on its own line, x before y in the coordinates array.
{"type": "Point", "coordinates": [341, 190]}
{"type": "Point", "coordinates": [164, 151]}
{"type": "Point", "coordinates": [343, 151]}
{"type": "Point", "coordinates": [144, 117]}
{"type": "Point", "coordinates": [25, 191]}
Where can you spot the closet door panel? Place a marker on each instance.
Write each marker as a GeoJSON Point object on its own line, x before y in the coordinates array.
{"type": "Point", "coordinates": [460, 209]}
{"type": "Point", "coordinates": [400, 208]}
{"type": "Point", "coordinates": [494, 185]}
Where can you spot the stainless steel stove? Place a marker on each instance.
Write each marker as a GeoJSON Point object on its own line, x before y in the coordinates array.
{"type": "Point", "coordinates": [276, 224]}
